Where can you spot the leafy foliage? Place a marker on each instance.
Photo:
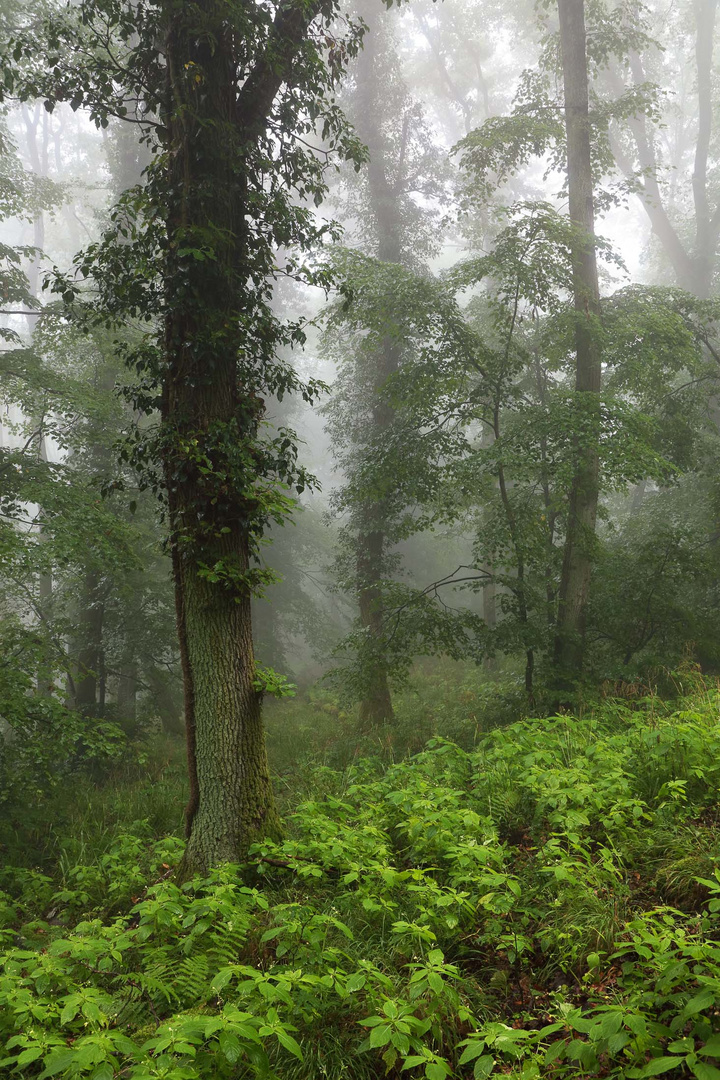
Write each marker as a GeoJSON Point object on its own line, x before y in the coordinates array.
{"type": "Point", "coordinates": [503, 910]}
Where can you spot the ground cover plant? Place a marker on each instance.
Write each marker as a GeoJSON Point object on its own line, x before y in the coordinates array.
{"type": "Point", "coordinates": [543, 903]}
{"type": "Point", "coordinates": [359, 560]}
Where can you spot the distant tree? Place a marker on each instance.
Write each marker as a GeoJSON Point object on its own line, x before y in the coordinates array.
{"type": "Point", "coordinates": [393, 229]}
{"type": "Point", "coordinates": [668, 148]}
{"type": "Point", "coordinates": [584, 492]}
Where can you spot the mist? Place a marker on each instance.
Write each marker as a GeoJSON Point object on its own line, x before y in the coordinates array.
{"type": "Point", "coordinates": [359, 604]}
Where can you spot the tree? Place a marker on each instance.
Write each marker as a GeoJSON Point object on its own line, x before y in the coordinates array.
{"type": "Point", "coordinates": [582, 513]}
{"type": "Point", "coordinates": [684, 217]}
{"type": "Point", "coordinates": [394, 231]}
{"type": "Point", "coordinates": [227, 96]}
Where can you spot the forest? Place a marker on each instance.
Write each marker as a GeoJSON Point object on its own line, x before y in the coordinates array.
{"type": "Point", "coordinates": [359, 539]}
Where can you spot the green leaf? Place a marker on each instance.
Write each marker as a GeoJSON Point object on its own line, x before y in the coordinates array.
{"type": "Point", "coordinates": [230, 1046]}
{"type": "Point", "coordinates": [681, 1046]}
{"type": "Point", "coordinates": [290, 1044]}
{"type": "Point", "coordinates": [437, 1070]}
{"type": "Point", "coordinates": [711, 1047]}
{"type": "Point", "coordinates": [103, 1072]}
{"type": "Point", "coordinates": [473, 1050]}
{"type": "Point", "coordinates": [659, 1065]}
{"type": "Point", "coordinates": [69, 1012]}
{"type": "Point", "coordinates": [56, 1062]}
{"type": "Point", "coordinates": [483, 1066]}
{"type": "Point", "coordinates": [705, 1072]}
{"type": "Point", "coordinates": [697, 1004]}
{"type": "Point", "coordinates": [380, 1035]}
{"type": "Point", "coordinates": [400, 1041]}
{"type": "Point", "coordinates": [31, 1054]}
{"type": "Point", "coordinates": [222, 979]}
{"type": "Point", "coordinates": [610, 1024]}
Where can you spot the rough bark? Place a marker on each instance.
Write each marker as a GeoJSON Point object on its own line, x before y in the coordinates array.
{"type": "Point", "coordinates": [231, 802]}
{"type": "Point", "coordinates": [582, 510]}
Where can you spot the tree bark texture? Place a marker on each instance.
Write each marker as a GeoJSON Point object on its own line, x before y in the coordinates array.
{"type": "Point", "coordinates": [582, 510]}
{"type": "Point", "coordinates": [206, 415]}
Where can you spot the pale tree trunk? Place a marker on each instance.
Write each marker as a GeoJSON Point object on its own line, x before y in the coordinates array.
{"type": "Point", "coordinates": [692, 262]}
{"type": "Point", "coordinates": [376, 707]}
{"type": "Point", "coordinates": [582, 510]}
{"type": "Point", "coordinates": [38, 154]}
{"type": "Point", "coordinates": [707, 224]}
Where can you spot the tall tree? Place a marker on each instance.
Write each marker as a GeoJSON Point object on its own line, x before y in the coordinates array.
{"type": "Point", "coordinates": [384, 198]}
{"type": "Point", "coordinates": [227, 94]}
{"type": "Point", "coordinates": [582, 513]}
{"type": "Point", "coordinates": [392, 231]}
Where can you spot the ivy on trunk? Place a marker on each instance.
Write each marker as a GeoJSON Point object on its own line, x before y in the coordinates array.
{"type": "Point", "coordinates": [229, 98]}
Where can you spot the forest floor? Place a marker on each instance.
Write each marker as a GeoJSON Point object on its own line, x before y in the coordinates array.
{"type": "Point", "coordinates": [537, 899]}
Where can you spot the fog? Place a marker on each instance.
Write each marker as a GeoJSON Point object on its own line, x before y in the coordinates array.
{"type": "Point", "coordinates": [430, 75]}
{"type": "Point", "coordinates": [359, 521]}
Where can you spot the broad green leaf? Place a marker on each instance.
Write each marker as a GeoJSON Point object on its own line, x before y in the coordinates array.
{"type": "Point", "coordinates": [380, 1035]}
{"type": "Point", "coordinates": [291, 1044]}
{"type": "Point", "coordinates": [484, 1066]}
{"type": "Point", "coordinates": [472, 1051]}
{"type": "Point", "coordinates": [705, 1072]}
{"type": "Point", "coordinates": [31, 1054]}
{"type": "Point", "coordinates": [659, 1065]}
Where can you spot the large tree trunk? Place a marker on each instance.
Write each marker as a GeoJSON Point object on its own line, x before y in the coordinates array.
{"type": "Point", "coordinates": [582, 511]}
{"type": "Point", "coordinates": [207, 419]}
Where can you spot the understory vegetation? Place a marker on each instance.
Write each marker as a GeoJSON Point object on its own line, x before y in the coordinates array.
{"type": "Point", "coordinates": [359, 539]}
{"type": "Point", "coordinates": [535, 898]}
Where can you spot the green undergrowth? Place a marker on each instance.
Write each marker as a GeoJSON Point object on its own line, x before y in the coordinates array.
{"type": "Point", "coordinates": [545, 903]}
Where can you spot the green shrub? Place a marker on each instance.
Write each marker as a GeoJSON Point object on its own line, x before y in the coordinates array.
{"type": "Point", "coordinates": [465, 912]}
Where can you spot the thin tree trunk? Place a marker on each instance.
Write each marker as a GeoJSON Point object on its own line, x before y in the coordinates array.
{"type": "Point", "coordinates": [376, 705]}
{"type": "Point", "coordinates": [582, 511]}
{"type": "Point", "coordinates": [127, 691]}
{"type": "Point", "coordinates": [707, 226]}
{"type": "Point", "coordinates": [89, 655]}
{"type": "Point", "coordinates": [489, 590]}
{"type": "Point", "coordinates": [693, 263]}
{"type": "Point", "coordinates": [38, 154]}
{"type": "Point", "coordinates": [520, 587]}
